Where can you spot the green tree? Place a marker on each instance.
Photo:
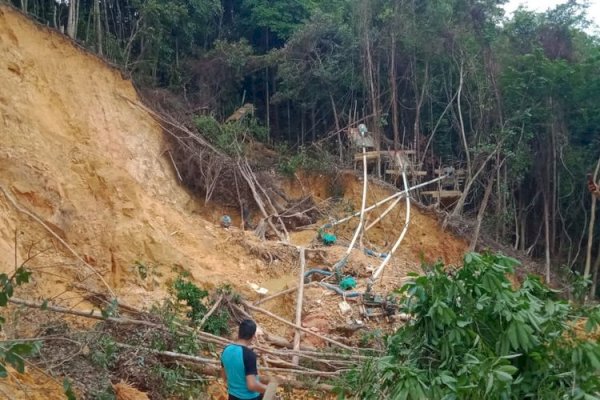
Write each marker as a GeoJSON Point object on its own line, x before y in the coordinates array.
{"type": "Point", "coordinates": [473, 335]}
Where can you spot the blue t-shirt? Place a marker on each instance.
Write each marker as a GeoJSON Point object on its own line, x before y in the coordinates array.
{"type": "Point", "coordinates": [239, 362]}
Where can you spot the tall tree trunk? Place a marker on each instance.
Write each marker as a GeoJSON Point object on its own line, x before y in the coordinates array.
{"type": "Point", "coordinates": [370, 71]}
{"type": "Point", "coordinates": [592, 222]}
{"type": "Point", "coordinates": [54, 19]}
{"type": "Point", "coordinates": [596, 269]}
{"type": "Point", "coordinates": [419, 103]}
{"type": "Point", "coordinates": [98, 24]}
{"type": "Point", "coordinates": [24, 5]}
{"type": "Point", "coordinates": [313, 123]}
{"type": "Point", "coordinates": [337, 127]}
{"type": "Point", "coordinates": [289, 122]}
{"type": "Point", "coordinates": [481, 212]}
{"type": "Point", "coordinates": [267, 95]}
{"type": "Point", "coordinates": [463, 134]}
{"type": "Point", "coordinates": [72, 20]}
{"type": "Point", "coordinates": [553, 183]}
{"type": "Point", "coordinates": [547, 234]}
{"type": "Point", "coordinates": [393, 84]}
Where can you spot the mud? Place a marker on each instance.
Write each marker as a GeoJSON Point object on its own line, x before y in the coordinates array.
{"type": "Point", "coordinates": [76, 152]}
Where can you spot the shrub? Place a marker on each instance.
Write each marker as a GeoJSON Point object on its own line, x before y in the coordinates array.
{"type": "Point", "coordinates": [15, 352]}
{"type": "Point", "coordinates": [473, 336]}
{"type": "Point", "coordinates": [310, 160]}
{"type": "Point", "coordinates": [230, 137]}
{"type": "Point", "coordinates": [193, 296]}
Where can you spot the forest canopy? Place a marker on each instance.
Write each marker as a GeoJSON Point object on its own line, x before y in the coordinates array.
{"type": "Point", "coordinates": [515, 102]}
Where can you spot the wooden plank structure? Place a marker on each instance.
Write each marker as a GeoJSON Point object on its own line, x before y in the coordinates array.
{"type": "Point", "coordinates": [446, 192]}
{"type": "Point", "coordinates": [440, 194]}
{"type": "Point", "coordinates": [372, 155]}
{"type": "Point", "coordinates": [395, 172]}
{"type": "Point", "coordinates": [449, 189]}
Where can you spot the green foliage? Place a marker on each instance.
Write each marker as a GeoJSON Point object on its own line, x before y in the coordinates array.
{"type": "Point", "coordinates": [281, 17]}
{"type": "Point", "coordinates": [68, 389]}
{"type": "Point", "coordinates": [306, 159]}
{"type": "Point", "coordinates": [230, 137]}
{"type": "Point", "coordinates": [104, 352]}
{"type": "Point", "coordinates": [474, 336]}
{"type": "Point", "coordinates": [111, 310]}
{"type": "Point", "coordinates": [194, 298]}
{"type": "Point", "coordinates": [579, 285]}
{"type": "Point", "coordinates": [180, 382]}
{"type": "Point", "coordinates": [105, 394]}
{"type": "Point", "coordinates": [15, 353]}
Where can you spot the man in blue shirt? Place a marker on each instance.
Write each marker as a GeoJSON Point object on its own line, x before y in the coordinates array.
{"type": "Point", "coordinates": [239, 366]}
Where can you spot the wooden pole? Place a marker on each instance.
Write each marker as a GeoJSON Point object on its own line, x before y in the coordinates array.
{"type": "Point", "coordinates": [299, 299]}
{"type": "Point", "coordinates": [278, 318]}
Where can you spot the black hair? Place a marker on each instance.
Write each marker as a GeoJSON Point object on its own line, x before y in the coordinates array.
{"type": "Point", "coordinates": [247, 329]}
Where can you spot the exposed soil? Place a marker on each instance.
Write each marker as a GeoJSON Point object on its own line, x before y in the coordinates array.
{"type": "Point", "coordinates": [76, 152]}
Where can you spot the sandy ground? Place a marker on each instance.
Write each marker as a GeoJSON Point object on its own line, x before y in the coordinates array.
{"type": "Point", "coordinates": [76, 153]}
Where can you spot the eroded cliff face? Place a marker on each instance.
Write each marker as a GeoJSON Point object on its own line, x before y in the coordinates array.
{"type": "Point", "coordinates": [77, 152]}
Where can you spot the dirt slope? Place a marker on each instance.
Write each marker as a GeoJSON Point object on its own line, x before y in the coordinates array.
{"type": "Point", "coordinates": [75, 152]}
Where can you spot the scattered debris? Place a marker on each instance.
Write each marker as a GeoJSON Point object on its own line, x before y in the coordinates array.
{"type": "Point", "coordinates": [345, 308]}
{"type": "Point", "coordinates": [258, 289]}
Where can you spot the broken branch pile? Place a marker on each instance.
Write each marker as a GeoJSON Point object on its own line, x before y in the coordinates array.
{"type": "Point", "coordinates": [278, 353]}
{"type": "Point", "coordinates": [232, 181]}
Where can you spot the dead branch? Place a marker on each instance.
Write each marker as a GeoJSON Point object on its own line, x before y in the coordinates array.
{"type": "Point", "coordinates": [278, 318]}
{"type": "Point", "coordinates": [30, 214]}
{"type": "Point", "coordinates": [250, 180]}
{"type": "Point", "coordinates": [214, 371]}
{"type": "Point", "coordinates": [204, 336]}
{"type": "Point", "coordinates": [210, 312]}
{"type": "Point", "coordinates": [213, 361]}
{"type": "Point", "coordinates": [282, 293]}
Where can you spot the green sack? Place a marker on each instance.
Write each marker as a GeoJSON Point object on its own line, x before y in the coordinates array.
{"type": "Point", "coordinates": [328, 238]}
{"type": "Point", "coordinates": [348, 283]}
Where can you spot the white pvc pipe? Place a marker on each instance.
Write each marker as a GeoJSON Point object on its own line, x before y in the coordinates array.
{"type": "Point", "coordinates": [379, 270]}
{"type": "Point", "coordinates": [386, 212]}
{"type": "Point", "coordinates": [363, 203]}
{"type": "Point", "coordinates": [383, 201]}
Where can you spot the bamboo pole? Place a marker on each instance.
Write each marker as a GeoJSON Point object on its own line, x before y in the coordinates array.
{"type": "Point", "coordinates": [299, 300]}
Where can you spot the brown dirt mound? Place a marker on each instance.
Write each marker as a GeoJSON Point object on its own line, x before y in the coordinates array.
{"type": "Point", "coordinates": [125, 392]}
{"type": "Point", "coordinates": [33, 385]}
{"type": "Point", "coordinates": [77, 153]}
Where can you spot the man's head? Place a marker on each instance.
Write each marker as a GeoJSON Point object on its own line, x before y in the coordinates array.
{"type": "Point", "coordinates": [247, 329]}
